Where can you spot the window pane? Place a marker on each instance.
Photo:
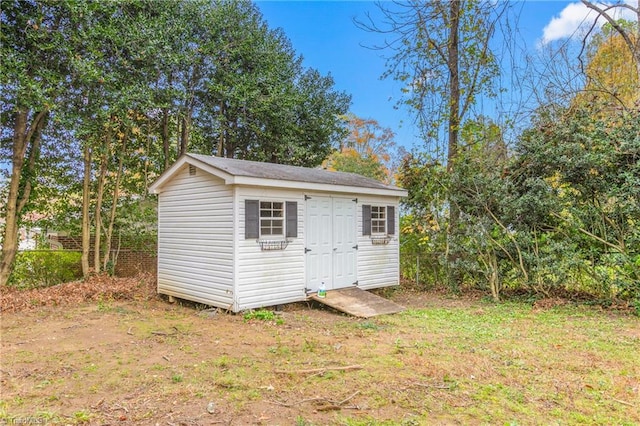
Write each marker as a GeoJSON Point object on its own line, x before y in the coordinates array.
{"type": "Point", "coordinates": [378, 219]}
{"type": "Point", "coordinates": [271, 218]}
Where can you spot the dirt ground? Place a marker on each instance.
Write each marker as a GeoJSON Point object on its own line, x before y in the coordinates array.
{"type": "Point", "coordinates": [143, 360]}
{"type": "Point", "coordinates": [120, 362]}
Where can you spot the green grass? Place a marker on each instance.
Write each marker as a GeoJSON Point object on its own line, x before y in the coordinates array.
{"type": "Point", "coordinates": [260, 314]}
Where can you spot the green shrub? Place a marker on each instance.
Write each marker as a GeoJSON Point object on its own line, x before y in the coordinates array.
{"type": "Point", "coordinates": [44, 268]}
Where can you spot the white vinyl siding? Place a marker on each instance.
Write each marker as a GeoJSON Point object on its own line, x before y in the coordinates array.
{"type": "Point", "coordinates": [378, 264]}
{"type": "Point", "coordinates": [268, 277]}
{"type": "Point", "coordinates": [204, 255]}
{"type": "Point", "coordinates": [195, 239]}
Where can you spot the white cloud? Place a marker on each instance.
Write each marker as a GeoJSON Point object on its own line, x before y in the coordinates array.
{"type": "Point", "coordinates": [565, 25]}
{"type": "Point", "coordinates": [576, 17]}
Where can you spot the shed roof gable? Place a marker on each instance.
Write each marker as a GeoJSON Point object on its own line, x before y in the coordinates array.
{"type": "Point", "coordinates": [243, 172]}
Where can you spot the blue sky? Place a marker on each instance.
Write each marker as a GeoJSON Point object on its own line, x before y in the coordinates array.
{"type": "Point", "coordinates": [323, 32]}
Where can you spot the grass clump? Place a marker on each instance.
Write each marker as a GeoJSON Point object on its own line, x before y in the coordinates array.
{"type": "Point", "coordinates": [262, 315]}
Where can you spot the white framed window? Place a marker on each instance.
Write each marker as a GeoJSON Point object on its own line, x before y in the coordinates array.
{"type": "Point", "coordinates": [378, 219]}
{"type": "Point", "coordinates": [271, 223]}
{"type": "Point", "coordinates": [271, 219]}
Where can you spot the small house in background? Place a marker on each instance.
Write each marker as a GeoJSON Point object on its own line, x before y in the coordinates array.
{"type": "Point", "coordinates": [241, 234]}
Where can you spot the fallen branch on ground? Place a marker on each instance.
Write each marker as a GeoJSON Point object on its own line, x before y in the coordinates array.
{"type": "Point", "coordinates": [320, 370]}
{"type": "Point", "coordinates": [434, 386]}
{"type": "Point", "coordinates": [623, 402]}
{"type": "Point", "coordinates": [327, 404]}
{"type": "Point", "coordinates": [162, 333]}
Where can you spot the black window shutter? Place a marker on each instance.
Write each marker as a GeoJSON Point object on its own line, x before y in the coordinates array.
{"type": "Point", "coordinates": [292, 219]}
{"type": "Point", "coordinates": [251, 219]}
{"type": "Point", "coordinates": [391, 220]}
{"type": "Point", "coordinates": [366, 219]}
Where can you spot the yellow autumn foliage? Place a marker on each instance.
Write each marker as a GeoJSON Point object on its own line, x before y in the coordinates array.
{"type": "Point", "coordinates": [611, 74]}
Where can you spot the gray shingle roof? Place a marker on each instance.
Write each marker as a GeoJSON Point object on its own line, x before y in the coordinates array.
{"type": "Point", "coordinates": [289, 173]}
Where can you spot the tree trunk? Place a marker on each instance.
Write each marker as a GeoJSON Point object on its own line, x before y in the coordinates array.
{"type": "Point", "coordinates": [220, 150]}
{"type": "Point", "coordinates": [10, 237]}
{"type": "Point", "coordinates": [97, 239]}
{"type": "Point", "coordinates": [454, 124]}
{"type": "Point", "coordinates": [178, 135]}
{"type": "Point", "coordinates": [114, 207]}
{"type": "Point", "coordinates": [454, 85]}
{"type": "Point", "coordinates": [166, 144]}
{"type": "Point", "coordinates": [23, 137]}
{"type": "Point", "coordinates": [147, 161]}
{"type": "Point", "coordinates": [184, 134]}
{"type": "Point", "coordinates": [494, 276]}
{"type": "Point", "coordinates": [188, 107]}
{"type": "Point", "coordinates": [32, 155]}
{"type": "Point", "coordinates": [165, 137]}
{"type": "Point", "coordinates": [86, 231]}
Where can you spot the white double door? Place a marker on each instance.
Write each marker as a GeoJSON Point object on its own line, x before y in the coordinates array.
{"type": "Point", "coordinates": [331, 242]}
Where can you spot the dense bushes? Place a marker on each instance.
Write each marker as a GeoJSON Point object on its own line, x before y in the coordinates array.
{"type": "Point", "coordinates": [44, 268]}
{"type": "Point", "coordinates": [559, 212]}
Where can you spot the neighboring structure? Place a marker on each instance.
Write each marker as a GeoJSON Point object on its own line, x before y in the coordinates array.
{"type": "Point", "coordinates": [240, 234]}
{"type": "Point", "coordinates": [131, 257]}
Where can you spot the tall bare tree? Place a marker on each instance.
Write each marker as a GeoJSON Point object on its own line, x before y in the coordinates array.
{"type": "Point", "coordinates": [441, 50]}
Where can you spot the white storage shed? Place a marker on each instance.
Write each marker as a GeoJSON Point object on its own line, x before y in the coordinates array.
{"type": "Point", "coordinates": [241, 234]}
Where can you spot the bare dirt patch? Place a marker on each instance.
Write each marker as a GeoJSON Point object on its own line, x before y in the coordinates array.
{"type": "Point", "coordinates": [128, 357]}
